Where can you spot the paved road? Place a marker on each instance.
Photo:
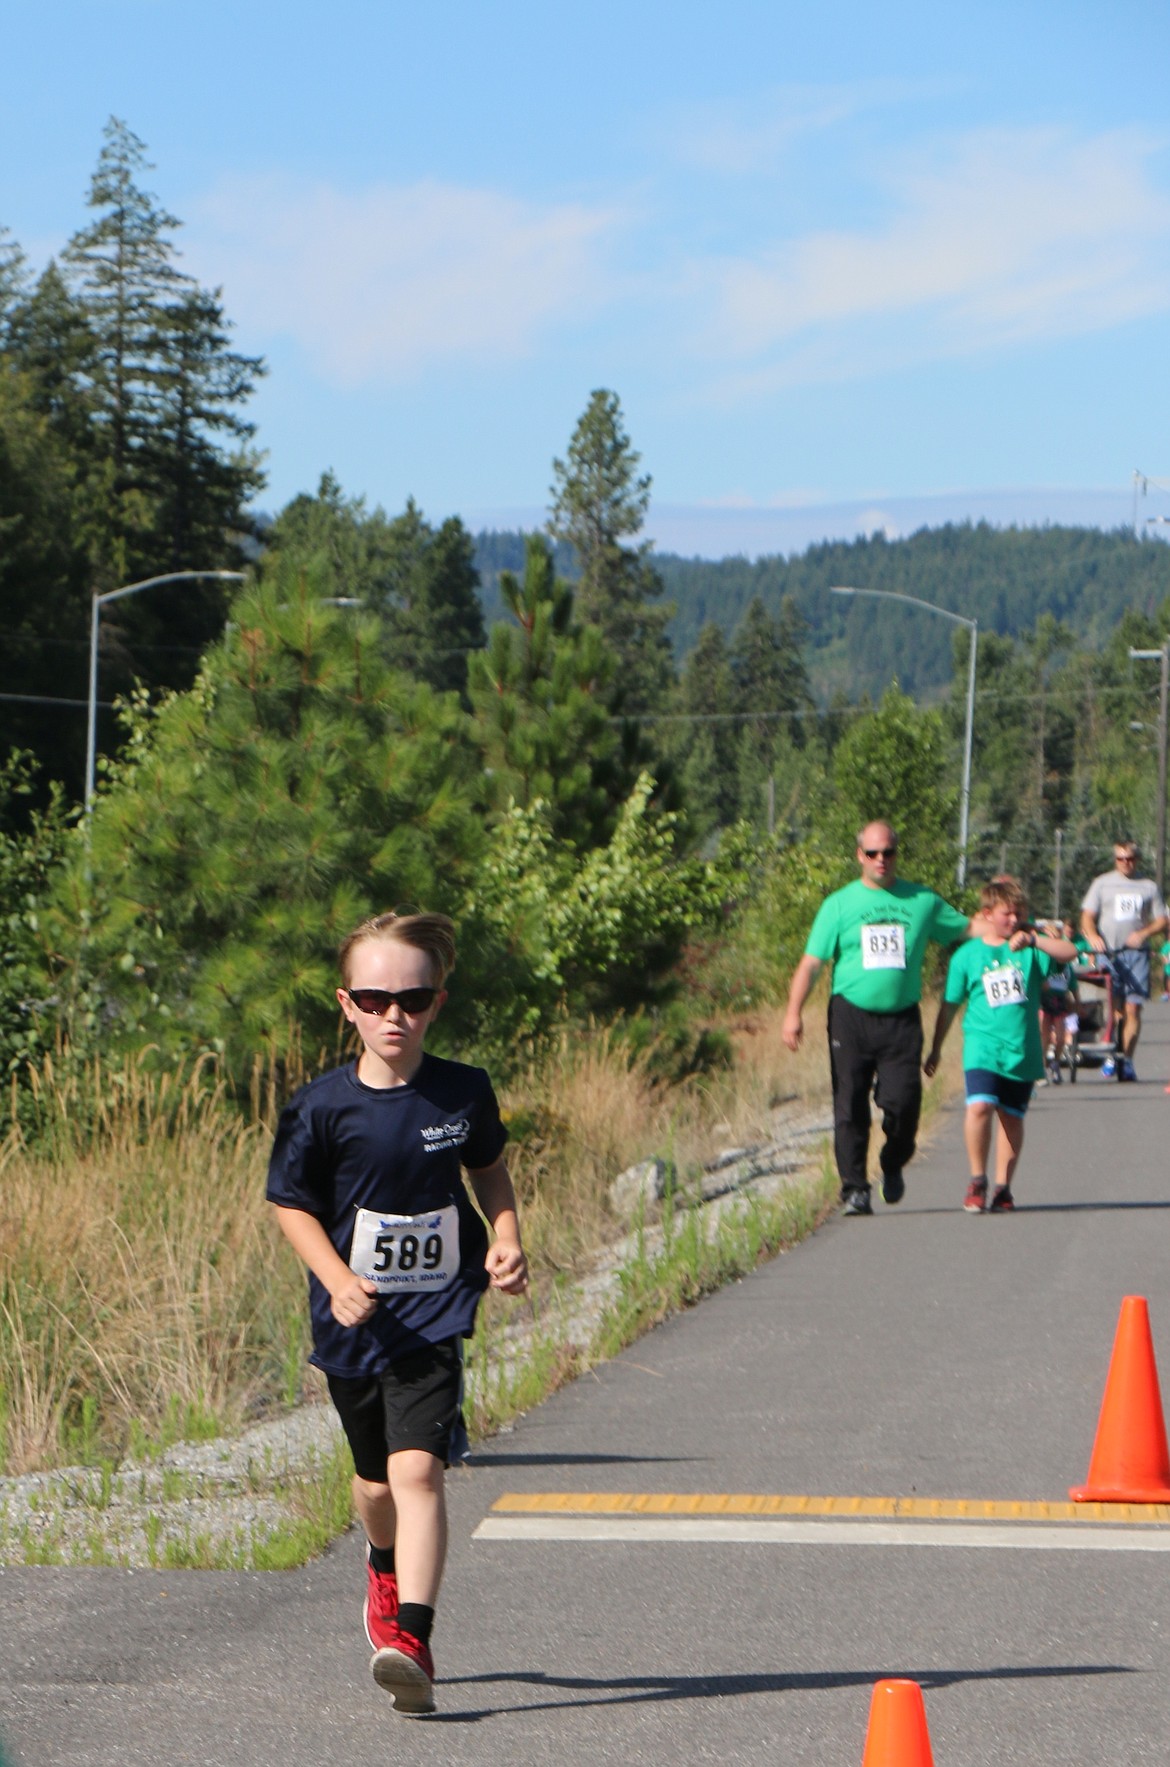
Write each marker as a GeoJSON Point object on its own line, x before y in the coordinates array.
{"type": "Point", "coordinates": [923, 1352]}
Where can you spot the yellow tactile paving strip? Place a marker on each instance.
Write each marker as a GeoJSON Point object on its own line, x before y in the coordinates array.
{"type": "Point", "coordinates": [715, 1504]}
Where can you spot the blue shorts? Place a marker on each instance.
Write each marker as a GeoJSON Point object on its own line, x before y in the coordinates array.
{"type": "Point", "coordinates": [985, 1087]}
{"type": "Point", "coordinates": [1130, 970]}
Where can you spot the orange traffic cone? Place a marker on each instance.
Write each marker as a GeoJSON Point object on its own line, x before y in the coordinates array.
{"type": "Point", "coordinates": [897, 1735]}
{"type": "Point", "coordinates": [1130, 1463]}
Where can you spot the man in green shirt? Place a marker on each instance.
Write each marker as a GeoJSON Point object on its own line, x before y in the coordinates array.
{"type": "Point", "coordinates": [874, 932]}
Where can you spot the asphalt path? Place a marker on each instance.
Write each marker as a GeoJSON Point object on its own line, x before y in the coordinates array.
{"type": "Point", "coordinates": [921, 1353]}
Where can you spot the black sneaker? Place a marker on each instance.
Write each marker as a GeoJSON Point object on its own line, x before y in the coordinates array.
{"type": "Point", "coordinates": [893, 1187]}
{"type": "Point", "coordinates": [857, 1202]}
{"type": "Point", "coordinates": [1002, 1200]}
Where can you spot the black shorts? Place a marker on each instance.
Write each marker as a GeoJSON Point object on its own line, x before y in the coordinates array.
{"type": "Point", "coordinates": [416, 1403]}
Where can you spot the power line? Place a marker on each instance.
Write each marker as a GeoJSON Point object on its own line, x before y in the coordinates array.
{"type": "Point", "coordinates": [45, 699]}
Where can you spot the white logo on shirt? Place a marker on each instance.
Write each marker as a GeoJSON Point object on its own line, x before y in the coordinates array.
{"type": "Point", "coordinates": [446, 1135]}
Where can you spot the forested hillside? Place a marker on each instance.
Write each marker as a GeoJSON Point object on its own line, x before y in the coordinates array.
{"type": "Point", "coordinates": [1004, 578]}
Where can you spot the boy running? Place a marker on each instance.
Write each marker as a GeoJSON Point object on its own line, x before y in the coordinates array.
{"type": "Point", "coordinates": [999, 976]}
{"type": "Point", "coordinates": [366, 1180]}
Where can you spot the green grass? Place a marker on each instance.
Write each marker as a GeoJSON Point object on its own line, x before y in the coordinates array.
{"type": "Point", "coordinates": [702, 1249]}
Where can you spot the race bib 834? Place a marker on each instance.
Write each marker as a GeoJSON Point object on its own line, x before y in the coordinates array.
{"type": "Point", "coordinates": [406, 1252]}
{"type": "Point", "coordinates": [1005, 986]}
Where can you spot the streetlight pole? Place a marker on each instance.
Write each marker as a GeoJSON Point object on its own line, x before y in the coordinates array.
{"type": "Point", "coordinates": [98, 602]}
{"type": "Point", "coordinates": [1163, 656]}
{"type": "Point", "coordinates": [972, 627]}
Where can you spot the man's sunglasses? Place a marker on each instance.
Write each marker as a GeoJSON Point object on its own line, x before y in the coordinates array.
{"type": "Point", "coordinates": [379, 1000]}
{"type": "Point", "coordinates": [1125, 858]}
{"type": "Point", "coordinates": [880, 852]}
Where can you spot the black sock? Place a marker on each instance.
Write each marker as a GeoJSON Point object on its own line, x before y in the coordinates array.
{"type": "Point", "coordinates": [416, 1619]}
{"type": "Point", "coordinates": [382, 1559]}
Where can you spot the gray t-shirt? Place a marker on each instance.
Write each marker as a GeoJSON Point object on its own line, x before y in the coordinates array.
{"type": "Point", "coordinates": [1121, 905]}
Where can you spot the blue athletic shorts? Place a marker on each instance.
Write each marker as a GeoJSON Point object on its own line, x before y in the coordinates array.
{"type": "Point", "coordinates": [985, 1087]}
{"type": "Point", "coordinates": [1130, 970]}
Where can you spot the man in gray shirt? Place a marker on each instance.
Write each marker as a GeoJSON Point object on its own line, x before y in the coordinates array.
{"type": "Point", "coordinates": [1121, 915]}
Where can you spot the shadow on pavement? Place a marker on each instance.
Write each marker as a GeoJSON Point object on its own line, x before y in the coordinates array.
{"type": "Point", "coordinates": [639, 1689]}
{"type": "Point", "coordinates": [485, 1461]}
{"type": "Point", "coordinates": [1086, 1208]}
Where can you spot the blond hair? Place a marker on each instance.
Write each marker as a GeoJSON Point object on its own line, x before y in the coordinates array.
{"type": "Point", "coordinates": [432, 933]}
{"type": "Point", "coordinates": [1007, 892]}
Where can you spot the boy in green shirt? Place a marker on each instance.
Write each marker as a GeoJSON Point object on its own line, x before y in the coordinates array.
{"type": "Point", "coordinates": [998, 976]}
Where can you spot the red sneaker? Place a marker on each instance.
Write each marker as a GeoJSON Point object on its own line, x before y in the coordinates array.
{"type": "Point", "coordinates": [404, 1667]}
{"type": "Point", "coordinates": [975, 1200]}
{"type": "Point", "coordinates": [381, 1605]}
{"type": "Point", "coordinates": [1001, 1200]}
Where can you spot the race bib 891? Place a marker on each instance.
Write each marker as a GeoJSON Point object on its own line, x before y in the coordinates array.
{"type": "Point", "coordinates": [883, 947]}
{"type": "Point", "coordinates": [406, 1252]}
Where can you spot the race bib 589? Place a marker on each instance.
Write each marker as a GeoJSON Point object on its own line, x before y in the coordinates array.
{"type": "Point", "coordinates": [406, 1252]}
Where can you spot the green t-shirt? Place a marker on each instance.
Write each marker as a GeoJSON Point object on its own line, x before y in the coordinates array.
{"type": "Point", "coordinates": [1001, 988]}
{"type": "Point", "coordinates": [876, 941]}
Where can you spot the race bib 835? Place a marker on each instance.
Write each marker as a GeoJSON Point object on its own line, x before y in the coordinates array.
{"type": "Point", "coordinates": [883, 947]}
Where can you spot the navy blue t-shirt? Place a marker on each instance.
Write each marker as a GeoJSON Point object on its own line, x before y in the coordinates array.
{"type": "Point", "coordinates": [342, 1146]}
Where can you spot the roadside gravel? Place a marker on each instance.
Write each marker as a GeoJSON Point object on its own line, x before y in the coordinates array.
{"type": "Point", "coordinates": [201, 1502]}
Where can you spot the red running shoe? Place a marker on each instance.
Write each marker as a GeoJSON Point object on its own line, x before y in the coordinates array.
{"type": "Point", "coordinates": [381, 1607]}
{"type": "Point", "coordinates": [1001, 1200]}
{"type": "Point", "coordinates": [404, 1667]}
{"type": "Point", "coordinates": [975, 1200]}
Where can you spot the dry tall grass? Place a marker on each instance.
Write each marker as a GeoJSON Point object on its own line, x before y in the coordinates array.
{"type": "Point", "coordinates": [141, 1290]}
{"type": "Point", "coordinates": [145, 1293]}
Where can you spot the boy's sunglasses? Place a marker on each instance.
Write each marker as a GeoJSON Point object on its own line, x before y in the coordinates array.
{"type": "Point", "coordinates": [379, 1000]}
{"type": "Point", "coordinates": [879, 852]}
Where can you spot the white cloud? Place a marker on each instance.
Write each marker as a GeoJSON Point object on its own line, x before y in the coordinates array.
{"type": "Point", "coordinates": [877, 521]}
{"type": "Point", "coordinates": [385, 282]}
{"type": "Point", "coordinates": [753, 134]}
{"type": "Point", "coordinates": [795, 498]}
{"type": "Point", "coordinates": [1008, 237]}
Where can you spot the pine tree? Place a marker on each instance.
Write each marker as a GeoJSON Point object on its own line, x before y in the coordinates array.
{"type": "Point", "coordinates": [706, 695]}
{"type": "Point", "coordinates": [538, 693]}
{"type": "Point", "coordinates": [431, 599]}
{"type": "Point", "coordinates": [122, 266]}
{"type": "Point", "coordinates": [199, 488]}
{"type": "Point", "coordinates": [598, 501]}
{"type": "Point", "coordinates": [52, 342]}
{"type": "Point", "coordinates": [300, 785]}
{"type": "Point", "coordinates": [166, 389]}
{"type": "Point", "coordinates": [339, 537]}
{"type": "Point", "coordinates": [14, 279]}
{"type": "Point", "coordinates": [770, 677]}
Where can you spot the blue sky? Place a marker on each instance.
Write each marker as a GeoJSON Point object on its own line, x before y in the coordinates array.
{"type": "Point", "coordinates": [846, 266]}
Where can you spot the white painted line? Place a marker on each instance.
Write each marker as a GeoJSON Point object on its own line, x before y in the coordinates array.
{"type": "Point", "coordinates": [598, 1530]}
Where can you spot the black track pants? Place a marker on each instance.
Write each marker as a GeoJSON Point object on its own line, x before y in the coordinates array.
{"type": "Point", "coordinates": [865, 1047]}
